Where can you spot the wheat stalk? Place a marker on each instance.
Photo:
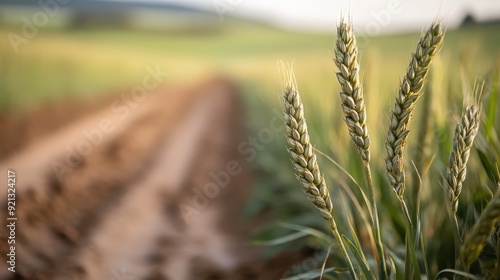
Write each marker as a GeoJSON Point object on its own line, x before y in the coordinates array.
{"type": "Point", "coordinates": [475, 240]}
{"type": "Point", "coordinates": [305, 162]}
{"type": "Point", "coordinates": [409, 92]}
{"type": "Point", "coordinates": [353, 106]}
{"type": "Point", "coordinates": [465, 133]}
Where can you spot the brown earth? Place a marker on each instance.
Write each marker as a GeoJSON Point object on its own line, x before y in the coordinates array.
{"type": "Point", "coordinates": [101, 190]}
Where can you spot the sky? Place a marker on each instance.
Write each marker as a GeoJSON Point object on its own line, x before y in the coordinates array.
{"type": "Point", "coordinates": [369, 16]}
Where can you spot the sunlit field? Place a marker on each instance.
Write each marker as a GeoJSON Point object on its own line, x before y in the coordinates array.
{"type": "Point", "coordinates": [247, 51]}
{"type": "Point", "coordinates": [90, 64]}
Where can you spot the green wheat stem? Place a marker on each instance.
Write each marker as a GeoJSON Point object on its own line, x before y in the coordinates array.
{"type": "Point", "coordinates": [338, 237]}
{"type": "Point", "coordinates": [376, 224]}
{"type": "Point", "coordinates": [411, 255]}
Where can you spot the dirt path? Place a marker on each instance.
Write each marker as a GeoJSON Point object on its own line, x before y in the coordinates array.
{"type": "Point", "coordinates": [116, 212]}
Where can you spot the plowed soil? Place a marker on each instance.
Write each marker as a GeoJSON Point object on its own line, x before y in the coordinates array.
{"type": "Point", "coordinates": [101, 189]}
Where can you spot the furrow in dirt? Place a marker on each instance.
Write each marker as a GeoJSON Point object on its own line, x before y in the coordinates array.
{"type": "Point", "coordinates": [203, 241]}
{"type": "Point", "coordinates": [160, 197]}
{"type": "Point", "coordinates": [127, 233]}
{"type": "Point", "coordinates": [58, 219]}
{"type": "Point", "coordinates": [26, 128]}
{"type": "Point", "coordinates": [36, 160]}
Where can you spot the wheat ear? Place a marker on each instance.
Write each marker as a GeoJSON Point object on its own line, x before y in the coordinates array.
{"type": "Point", "coordinates": [351, 96]}
{"type": "Point", "coordinates": [303, 157]}
{"type": "Point", "coordinates": [475, 240]}
{"type": "Point", "coordinates": [353, 106]}
{"type": "Point", "coordinates": [465, 132]}
{"type": "Point", "coordinates": [305, 162]}
{"type": "Point", "coordinates": [409, 92]}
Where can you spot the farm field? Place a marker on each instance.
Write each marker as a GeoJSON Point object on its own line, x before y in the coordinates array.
{"type": "Point", "coordinates": [213, 94]}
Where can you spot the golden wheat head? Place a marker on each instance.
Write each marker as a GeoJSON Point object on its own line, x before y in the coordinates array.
{"type": "Point", "coordinates": [302, 153]}
{"type": "Point", "coordinates": [351, 96]}
{"type": "Point", "coordinates": [475, 240]}
{"type": "Point", "coordinates": [409, 92]}
{"type": "Point", "coordinates": [465, 133]}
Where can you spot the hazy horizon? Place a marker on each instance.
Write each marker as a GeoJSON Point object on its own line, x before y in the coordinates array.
{"type": "Point", "coordinates": [381, 16]}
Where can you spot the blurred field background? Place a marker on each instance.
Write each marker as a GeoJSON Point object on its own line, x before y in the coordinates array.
{"type": "Point", "coordinates": [93, 58]}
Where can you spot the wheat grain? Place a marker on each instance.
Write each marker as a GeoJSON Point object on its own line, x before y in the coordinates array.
{"type": "Point", "coordinates": [475, 240]}
{"type": "Point", "coordinates": [409, 92]}
{"type": "Point", "coordinates": [465, 133]}
{"type": "Point", "coordinates": [353, 105]}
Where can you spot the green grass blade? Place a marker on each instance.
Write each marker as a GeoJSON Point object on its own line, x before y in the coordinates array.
{"type": "Point", "coordinates": [362, 213]}
{"type": "Point", "coordinates": [457, 272]}
{"type": "Point", "coordinates": [492, 108]}
{"type": "Point", "coordinates": [365, 198]}
{"type": "Point", "coordinates": [354, 235]}
{"type": "Point", "coordinates": [364, 266]}
{"type": "Point", "coordinates": [282, 240]}
{"type": "Point", "coordinates": [307, 231]}
{"type": "Point", "coordinates": [324, 262]}
{"type": "Point", "coordinates": [393, 274]}
{"type": "Point", "coordinates": [314, 274]}
{"type": "Point", "coordinates": [488, 165]}
{"type": "Point", "coordinates": [338, 166]}
{"type": "Point", "coordinates": [411, 256]}
{"type": "Point", "coordinates": [397, 263]}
